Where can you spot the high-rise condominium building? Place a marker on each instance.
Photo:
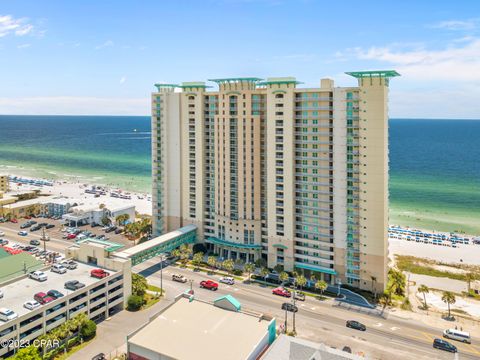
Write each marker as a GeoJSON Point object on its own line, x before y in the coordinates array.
{"type": "Point", "coordinates": [265, 169]}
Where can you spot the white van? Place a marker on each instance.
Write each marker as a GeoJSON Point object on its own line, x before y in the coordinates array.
{"type": "Point", "coordinates": [7, 314]}
{"type": "Point", "coordinates": [458, 335]}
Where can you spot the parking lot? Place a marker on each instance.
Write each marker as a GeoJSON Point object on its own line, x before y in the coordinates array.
{"type": "Point", "coordinates": [56, 231]}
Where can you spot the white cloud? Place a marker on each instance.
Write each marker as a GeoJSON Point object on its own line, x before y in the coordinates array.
{"type": "Point", "coordinates": [18, 27]}
{"type": "Point", "coordinates": [123, 79]}
{"type": "Point", "coordinates": [108, 43]}
{"type": "Point", "coordinates": [23, 46]}
{"type": "Point", "coordinates": [469, 24]}
{"type": "Point", "coordinates": [67, 105]}
{"type": "Point", "coordinates": [459, 62]}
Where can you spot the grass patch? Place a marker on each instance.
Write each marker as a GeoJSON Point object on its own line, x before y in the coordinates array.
{"type": "Point", "coordinates": [150, 300]}
{"type": "Point", "coordinates": [154, 288]}
{"type": "Point", "coordinates": [423, 266]}
{"type": "Point", "coordinates": [73, 350]}
{"type": "Point", "coordinates": [460, 311]}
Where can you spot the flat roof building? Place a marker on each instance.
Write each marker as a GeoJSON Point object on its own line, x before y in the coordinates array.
{"type": "Point", "coordinates": [266, 169]}
{"type": "Point", "coordinates": [195, 329]}
{"type": "Point", "coordinates": [289, 348]}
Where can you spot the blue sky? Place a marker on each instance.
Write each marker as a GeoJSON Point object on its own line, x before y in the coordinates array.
{"type": "Point", "coordinates": [103, 57]}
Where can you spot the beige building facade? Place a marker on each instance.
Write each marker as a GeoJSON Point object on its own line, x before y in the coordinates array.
{"type": "Point", "coordinates": [266, 169]}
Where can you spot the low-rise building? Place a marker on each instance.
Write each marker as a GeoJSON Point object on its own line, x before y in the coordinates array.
{"type": "Point", "coordinates": [194, 329]}
{"type": "Point", "coordinates": [88, 213]}
{"type": "Point", "coordinates": [28, 207]}
{"type": "Point", "coordinates": [287, 348]}
{"type": "Point", "coordinates": [59, 206]}
{"type": "Point", "coordinates": [99, 298]}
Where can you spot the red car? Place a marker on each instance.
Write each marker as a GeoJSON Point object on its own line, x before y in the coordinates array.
{"type": "Point", "coordinates": [14, 221]}
{"type": "Point", "coordinates": [71, 236]}
{"type": "Point", "coordinates": [209, 284]}
{"type": "Point", "coordinates": [99, 273]}
{"type": "Point", "coordinates": [281, 292]}
{"type": "Point", "coordinates": [42, 298]}
{"type": "Point", "coordinates": [27, 217]}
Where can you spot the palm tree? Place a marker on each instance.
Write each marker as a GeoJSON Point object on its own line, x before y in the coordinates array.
{"type": "Point", "coordinates": [469, 277]}
{"type": "Point", "coordinates": [397, 282]}
{"type": "Point", "coordinates": [176, 253]}
{"type": "Point", "coordinates": [424, 290]}
{"type": "Point", "coordinates": [185, 252]}
{"type": "Point", "coordinates": [283, 276]}
{"type": "Point", "coordinates": [249, 269]}
{"type": "Point", "coordinates": [448, 297]}
{"type": "Point", "coordinates": [264, 273]}
{"type": "Point", "coordinates": [197, 259]}
{"type": "Point", "coordinates": [321, 286]}
{"type": "Point", "coordinates": [301, 281]}
{"type": "Point", "coordinates": [228, 265]}
{"type": "Point", "coordinates": [212, 261]}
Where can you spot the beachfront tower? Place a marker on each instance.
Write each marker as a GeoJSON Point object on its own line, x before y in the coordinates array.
{"type": "Point", "coordinates": [267, 170]}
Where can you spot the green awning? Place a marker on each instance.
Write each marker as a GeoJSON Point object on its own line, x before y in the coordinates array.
{"type": "Point", "coordinates": [217, 241]}
{"type": "Point", "coordinates": [281, 246]}
{"type": "Point", "coordinates": [315, 268]}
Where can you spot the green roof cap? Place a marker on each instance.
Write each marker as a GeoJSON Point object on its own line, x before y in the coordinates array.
{"type": "Point", "coordinates": [159, 86]}
{"type": "Point", "coordinates": [280, 81]}
{"type": "Point", "coordinates": [231, 300]}
{"type": "Point", "coordinates": [373, 73]}
{"type": "Point", "coordinates": [235, 80]}
{"type": "Point", "coordinates": [196, 84]}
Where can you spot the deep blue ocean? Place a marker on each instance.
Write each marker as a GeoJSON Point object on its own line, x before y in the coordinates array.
{"type": "Point", "coordinates": [434, 164]}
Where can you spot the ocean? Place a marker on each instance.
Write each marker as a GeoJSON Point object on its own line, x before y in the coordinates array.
{"type": "Point", "coordinates": [434, 166]}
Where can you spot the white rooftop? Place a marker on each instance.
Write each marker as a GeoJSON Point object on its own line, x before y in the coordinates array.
{"type": "Point", "coordinates": [200, 330]}
{"type": "Point", "coordinates": [23, 203]}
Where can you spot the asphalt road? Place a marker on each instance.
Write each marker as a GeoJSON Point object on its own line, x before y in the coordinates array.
{"type": "Point", "coordinates": [322, 321]}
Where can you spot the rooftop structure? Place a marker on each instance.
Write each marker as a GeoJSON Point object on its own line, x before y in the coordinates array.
{"type": "Point", "coordinates": [13, 266]}
{"type": "Point", "coordinates": [194, 329]}
{"type": "Point", "coordinates": [292, 348]}
{"type": "Point", "coordinates": [266, 169]}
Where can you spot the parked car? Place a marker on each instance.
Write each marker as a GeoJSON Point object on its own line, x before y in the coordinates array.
{"type": "Point", "coordinates": [94, 225]}
{"type": "Point", "coordinates": [22, 233]}
{"type": "Point", "coordinates": [100, 356]}
{"type": "Point", "coordinates": [227, 280]}
{"type": "Point", "coordinates": [3, 242]}
{"type": "Point", "coordinates": [73, 285]}
{"type": "Point", "coordinates": [299, 295]}
{"type": "Point", "coordinates": [444, 345]}
{"type": "Point", "coordinates": [356, 325]}
{"type": "Point", "coordinates": [280, 291]}
{"type": "Point", "coordinates": [35, 228]}
{"type": "Point", "coordinates": [71, 236]}
{"type": "Point", "coordinates": [289, 307]}
{"type": "Point", "coordinates": [49, 226]}
{"type": "Point", "coordinates": [43, 298]}
{"type": "Point", "coordinates": [209, 284]}
{"type": "Point", "coordinates": [15, 221]}
{"type": "Point", "coordinates": [7, 314]}
{"type": "Point", "coordinates": [99, 273]}
{"type": "Point", "coordinates": [38, 275]}
{"type": "Point", "coordinates": [54, 293]}
{"type": "Point", "coordinates": [179, 278]}
{"type": "Point", "coordinates": [31, 304]}
{"type": "Point", "coordinates": [110, 229]}
{"type": "Point", "coordinates": [59, 269]}
{"type": "Point", "coordinates": [35, 242]}
{"type": "Point", "coordinates": [69, 264]}
{"type": "Point", "coordinates": [118, 231]}
{"type": "Point", "coordinates": [25, 225]}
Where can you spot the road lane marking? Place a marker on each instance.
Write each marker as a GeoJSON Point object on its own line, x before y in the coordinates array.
{"type": "Point", "coordinates": [313, 308]}
{"type": "Point", "coordinates": [394, 328]}
{"type": "Point", "coordinates": [427, 335]}
{"type": "Point", "coordinates": [378, 324]}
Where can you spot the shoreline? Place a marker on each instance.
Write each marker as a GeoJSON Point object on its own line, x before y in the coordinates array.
{"type": "Point", "coordinates": [76, 190]}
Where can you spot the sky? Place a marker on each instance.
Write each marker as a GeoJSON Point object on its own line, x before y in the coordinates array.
{"type": "Point", "coordinates": [95, 57]}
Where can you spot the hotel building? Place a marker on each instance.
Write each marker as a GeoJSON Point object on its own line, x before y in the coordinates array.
{"type": "Point", "coordinates": [266, 169]}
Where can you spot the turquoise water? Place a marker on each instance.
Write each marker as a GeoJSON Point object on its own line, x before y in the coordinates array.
{"type": "Point", "coordinates": [434, 167]}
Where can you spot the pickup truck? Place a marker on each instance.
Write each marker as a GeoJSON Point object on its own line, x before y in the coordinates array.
{"type": "Point", "coordinates": [209, 284]}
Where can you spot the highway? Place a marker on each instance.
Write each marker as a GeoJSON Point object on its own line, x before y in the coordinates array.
{"type": "Point", "coordinates": [316, 320]}
{"type": "Point", "coordinates": [322, 321]}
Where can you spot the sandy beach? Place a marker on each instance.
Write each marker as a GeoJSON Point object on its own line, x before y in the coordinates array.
{"type": "Point", "coordinates": [76, 190]}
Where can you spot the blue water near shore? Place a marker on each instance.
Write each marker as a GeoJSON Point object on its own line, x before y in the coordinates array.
{"type": "Point", "coordinates": [434, 166]}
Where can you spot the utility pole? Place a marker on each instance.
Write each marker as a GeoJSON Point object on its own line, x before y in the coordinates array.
{"type": "Point", "coordinates": [161, 274]}
{"type": "Point", "coordinates": [44, 239]}
{"type": "Point", "coordinates": [293, 301]}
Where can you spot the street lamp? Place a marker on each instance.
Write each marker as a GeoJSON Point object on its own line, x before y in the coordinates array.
{"type": "Point", "coordinates": [293, 301]}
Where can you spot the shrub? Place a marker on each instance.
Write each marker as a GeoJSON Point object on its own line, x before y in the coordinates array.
{"type": "Point", "coordinates": [134, 302]}
{"type": "Point", "coordinates": [237, 272]}
{"type": "Point", "coordinates": [88, 330]}
{"type": "Point", "coordinates": [139, 285]}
